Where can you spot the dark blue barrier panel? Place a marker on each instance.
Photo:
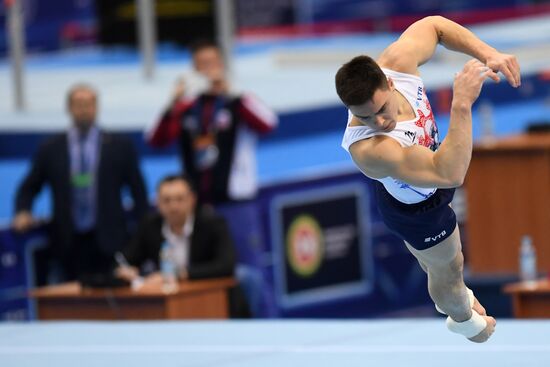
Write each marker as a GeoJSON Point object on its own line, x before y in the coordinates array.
{"type": "Point", "coordinates": [375, 9]}
{"type": "Point", "coordinates": [364, 271]}
{"type": "Point", "coordinates": [53, 24]}
{"type": "Point", "coordinates": [57, 24]}
{"type": "Point", "coordinates": [17, 273]}
{"type": "Point", "coordinates": [284, 17]}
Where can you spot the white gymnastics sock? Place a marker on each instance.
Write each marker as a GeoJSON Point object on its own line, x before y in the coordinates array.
{"type": "Point", "coordinates": [469, 328]}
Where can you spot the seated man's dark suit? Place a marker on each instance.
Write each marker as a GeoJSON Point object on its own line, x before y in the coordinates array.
{"type": "Point", "coordinates": [211, 252]}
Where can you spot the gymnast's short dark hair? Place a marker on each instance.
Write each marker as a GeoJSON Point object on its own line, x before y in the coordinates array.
{"type": "Point", "coordinates": [357, 80]}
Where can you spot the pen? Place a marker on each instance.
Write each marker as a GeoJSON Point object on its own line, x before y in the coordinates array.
{"type": "Point", "coordinates": [121, 259]}
{"type": "Point", "coordinates": [122, 262]}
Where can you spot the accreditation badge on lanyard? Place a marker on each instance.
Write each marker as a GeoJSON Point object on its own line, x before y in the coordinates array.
{"type": "Point", "coordinates": [83, 166]}
{"type": "Point", "coordinates": [205, 150]}
{"type": "Point", "coordinates": [82, 180]}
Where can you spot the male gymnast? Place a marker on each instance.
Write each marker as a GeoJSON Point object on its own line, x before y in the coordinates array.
{"type": "Point", "coordinates": [392, 137]}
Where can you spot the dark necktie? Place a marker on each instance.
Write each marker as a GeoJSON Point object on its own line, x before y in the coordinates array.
{"type": "Point", "coordinates": [82, 186]}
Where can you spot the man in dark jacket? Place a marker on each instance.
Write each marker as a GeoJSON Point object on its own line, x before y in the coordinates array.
{"type": "Point", "coordinates": [217, 131]}
{"type": "Point", "coordinates": [86, 170]}
{"type": "Point", "coordinates": [198, 239]}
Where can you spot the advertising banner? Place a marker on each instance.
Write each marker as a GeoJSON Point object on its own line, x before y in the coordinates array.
{"type": "Point", "coordinates": [321, 245]}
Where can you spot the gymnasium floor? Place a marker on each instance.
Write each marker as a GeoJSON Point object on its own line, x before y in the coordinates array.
{"type": "Point", "coordinates": [388, 343]}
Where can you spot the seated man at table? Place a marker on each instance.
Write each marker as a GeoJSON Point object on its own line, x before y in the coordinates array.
{"type": "Point", "coordinates": [199, 242]}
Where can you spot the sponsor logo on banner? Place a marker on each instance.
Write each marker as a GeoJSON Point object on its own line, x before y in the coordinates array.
{"type": "Point", "coordinates": [305, 245]}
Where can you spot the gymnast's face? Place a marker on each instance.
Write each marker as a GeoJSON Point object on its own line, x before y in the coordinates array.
{"type": "Point", "coordinates": [175, 201]}
{"type": "Point", "coordinates": [380, 112]}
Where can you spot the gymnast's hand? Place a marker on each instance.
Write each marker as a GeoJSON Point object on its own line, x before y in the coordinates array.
{"type": "Point", "coordinates": [507, 64]}
{"type": "Point", "coordinates": [468, 82]}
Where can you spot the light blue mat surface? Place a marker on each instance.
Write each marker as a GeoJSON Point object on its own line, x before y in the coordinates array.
{"type": "Point", "coordinates": [387, 343]}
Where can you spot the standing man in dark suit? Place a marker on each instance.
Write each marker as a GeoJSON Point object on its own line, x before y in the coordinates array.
{"type": "Point", "coordinates": [198, 239]}
{"type": "Point", "coordinates": [86, 169]}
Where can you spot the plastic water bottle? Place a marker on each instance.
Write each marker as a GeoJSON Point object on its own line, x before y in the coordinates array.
{"type": "Point", "coordinates": [168, 269]}
{"type": "Point", "coordinates": [527, 261]}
